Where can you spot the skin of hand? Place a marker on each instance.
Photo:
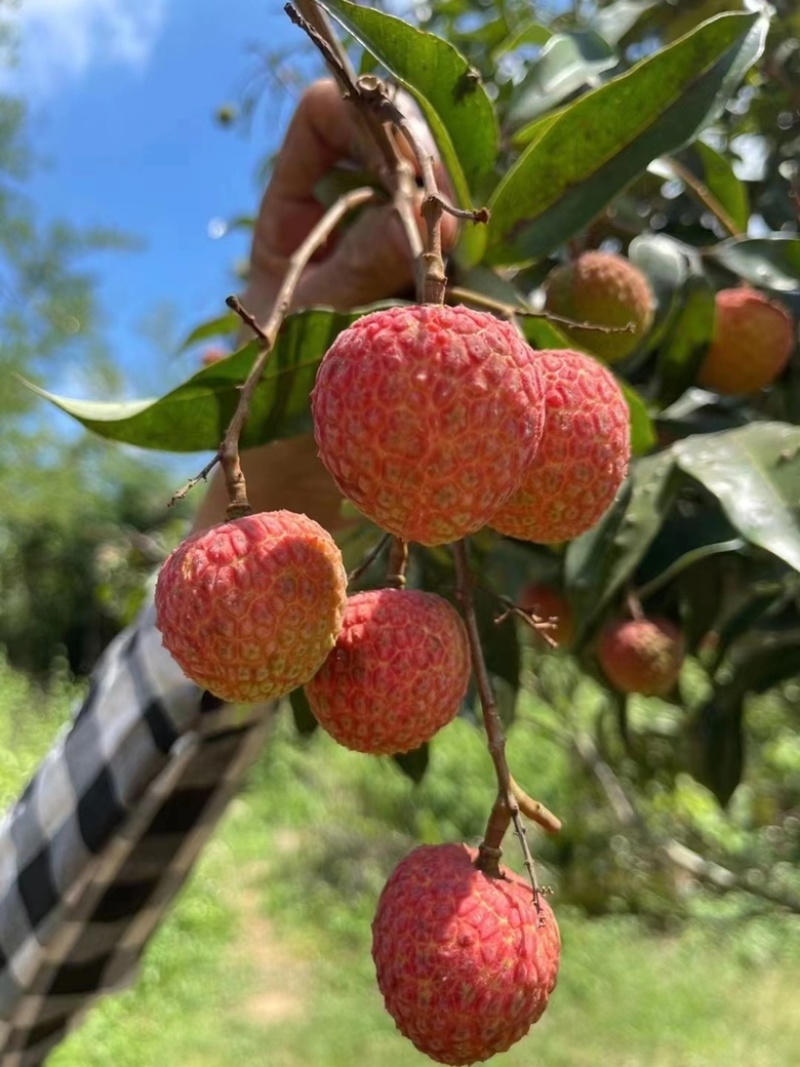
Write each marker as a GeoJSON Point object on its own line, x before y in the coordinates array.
{"type": "Point", "coordinates": [369, 261]}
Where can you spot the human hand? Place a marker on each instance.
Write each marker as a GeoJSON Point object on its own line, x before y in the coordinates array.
{"type": "Point", "coordinates": [369, 261]}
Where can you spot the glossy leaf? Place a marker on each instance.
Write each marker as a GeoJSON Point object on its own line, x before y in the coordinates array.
{"type": "Point", "coordinates": [643, 434]}
{"type": "Point", "coordinates": [194, 416]}
{"type": "Point", "coordinates": [221, 326]}
{"type": "Point", "coordinates": [530, 32]}
{"type": "Point", "coordinates": [769, 262]}
{"type": "Point", "coordinates": [568, 62]}
{"type": "Point", "coordinates": [414, 764]}
{"type": "Point", "coordinates": [716, 748]}
{"type": "Point", "coordinates": [304, 719]}
{"type": "Point", "coordinates": [451, 96]}
{"type": "Point", "coordinates": [683, 348]}
{"type": "Point", "coordinates": [597, 145]}
{"type": "Point", "coordinates": [598, 563]}
{"type": "Point", "coordinates": [716, 173]}
{"type": "Point", "coordinates": [618, 19]}
{"type": "Point", "coordinates": [754, 472]}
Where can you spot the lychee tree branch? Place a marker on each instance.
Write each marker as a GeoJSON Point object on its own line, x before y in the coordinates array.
{"type": "Point", "coordinates": [457, 294]}
{"type": "Point", "coordinates": [228, 454]}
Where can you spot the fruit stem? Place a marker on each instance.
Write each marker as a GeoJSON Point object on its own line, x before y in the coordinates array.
{"type": "Point", "coordinates": [398, 561]}
{"type": "Point", "coordinates": [506, 804]}
{"type": "Point", "coordinates": [459, 295]}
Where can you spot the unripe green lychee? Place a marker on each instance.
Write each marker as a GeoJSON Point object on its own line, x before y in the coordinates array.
{"type": "Point", "coordinates": [606, 290]}
{"type": "Point", "coordinates": [641, 655]}
{"type": "Point", "coordinates": [426, 417]}
{"type": "Point", "coordinates": [753, 339]}
{"type": "Point", "coordinates": [465, 962]}
{"type": "Point", "coordinates": [582, 458]}
{"type": "Point", "coordinates": [550, 605]}
{"type": "Point", "coordinates": [397, 674]}
{"type": "Point", "coordinates": [250, 609]}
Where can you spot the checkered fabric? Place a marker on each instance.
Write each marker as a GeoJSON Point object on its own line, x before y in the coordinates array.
{"type": "Point", "coordinates": [106, 833]}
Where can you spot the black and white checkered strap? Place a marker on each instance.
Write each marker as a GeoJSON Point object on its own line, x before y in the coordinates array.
{"type": "Point", "coordinates": [106, 833]}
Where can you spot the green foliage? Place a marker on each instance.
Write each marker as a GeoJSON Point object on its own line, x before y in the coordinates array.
{"type": "Point", "coordinates": [617, 126]}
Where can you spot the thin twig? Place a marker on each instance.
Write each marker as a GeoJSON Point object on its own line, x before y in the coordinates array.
{"type": "Point", "coordinates": [535, 810]}
{"type": "Point", "coordinates": [384, 156]}
{"type": "Point", "coordinates": [398, 561]}
{"type": "Point", "coordinates": [368, 560]}
{"type": "Point", "coordinates": [505, 805]}
{"type": "Point", "coordinates": [457, 293]}
{"type": "Point", "coordinates": [228, 454]}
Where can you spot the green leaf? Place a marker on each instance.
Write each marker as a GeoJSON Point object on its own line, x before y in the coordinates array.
{"type": "Point", "coordinates": [618, 19]}
{"type": "Point", "coordinates": [530, 32]}
{"type": "Point", "coordinates": [597, 145]}
{"type": "Point", "coordinates": [683, 349]}
{"type": "Point", "coordinates": [222, 326]}
{"type": "Point", "coordinates": [194, 416]}
{"type": "Point", "coordinates": [754, 472]}
{"type": "Point", "coordinates": [769, 262]}
{"type": "Point", "coordinates": [599, 562]}
{"type": "Point", "coordinates": [304, 719]}
{"type": "Point", "coordinates": [716, 173]}
{"type": "Point", "coordinates": [568, 62]}
{"type": "Point", "coordinates": [414, 764]}
{"type": "Point", "coordinates": [716, 748]}
{"type": "Point", "coordinates": [447, 89]}
{"type": "Point", "coordinates": [643, 434]}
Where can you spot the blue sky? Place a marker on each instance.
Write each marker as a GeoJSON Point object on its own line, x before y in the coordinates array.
{"type": "Point", "coordinates": [122, 96]}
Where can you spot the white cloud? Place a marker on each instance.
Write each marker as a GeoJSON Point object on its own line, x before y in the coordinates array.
{"type": "Point", "coordinates": [60, 40]}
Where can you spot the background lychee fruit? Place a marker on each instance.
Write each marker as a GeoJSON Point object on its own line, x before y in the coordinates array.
{"type": "Point", "coordinates": [753, 339]}
{"type": "Point", "coordinates": [549, 604]}
{"type": "Point", "coordinates": [582, 458]}
{"type": "Point", "coordinates": [250, 609]}
{"type": "Point", "coordinates": [397, 674]}
{"type": "Point", "coordinates": [641, 655]}
{"type": "Point", "coordinates": [465, 962]}
{"type": "Point", "coordinates": [427, 417]}
{"type": "Point", "coordinates": [606, 290]}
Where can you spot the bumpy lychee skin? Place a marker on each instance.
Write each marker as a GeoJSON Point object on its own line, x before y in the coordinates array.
{"type": "Point", "coordinates": [550, 605]}
{"type": "Point", "coordinates": [582, 458]}
{"type": "Point", "coordinates": [466, 963]}
{"type": "Point", "coordinates": [753, 339]}
{"type": "Point", "coordinates": [641, 655]}
{"type": "Point", "coordinates": [397, 675]}
{"type": "Point", "coordinates": [250, 609]}
{"type": "Point", "coordinates": [605, 290]}
{"type": "Point", "coordinates": [427, 417]}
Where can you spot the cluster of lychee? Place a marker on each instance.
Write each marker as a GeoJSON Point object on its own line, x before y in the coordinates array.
{"type": "Point", "coordinates": [434, 422]}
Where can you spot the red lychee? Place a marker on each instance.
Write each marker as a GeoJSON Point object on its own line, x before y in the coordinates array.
{"type": "Point", "coordinates": [427, 417]}
{"type": "Point", "coordinates": [398, 673]}
{"type": "Point", "coordinates": [550, 605]}
{"type": "Point", "coordinates": [753, 339]}
{"type": "Point", "coordinates": [250, 609]}
{"type": "Point", "coordinates": [582, 458]}
{"type": "Point", "coordinates": [641, 655]}
{"type": "Point", "coordinates": [465, 962]}
{"type": "Point", "coordinates": [606, 290]}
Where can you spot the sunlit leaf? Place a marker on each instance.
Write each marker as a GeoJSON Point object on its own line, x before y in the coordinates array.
{"type": "Point", "coordinates": [597, 145]}
{"type": "Point", "coordinates": [195, 415]}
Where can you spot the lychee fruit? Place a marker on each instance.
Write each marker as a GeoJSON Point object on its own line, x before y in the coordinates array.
{"type": "Point", "coordinates": [427, 417]}
{"type": "Point", "coordinates": [550, 605]}
{"type": "Point", "coordinates": [641, 655]}
{"type": "Point", "coordinates": [250, 609]}
{"type": "Point", "coordinates": [605, 290]}
{"type": "Point", "coordinates": [465, 962]}
{"type": "Point", "coordinates": [398, 672]}
{"type": "Point", "coordinates": [582, 458]}
{"type": "Point", "coordinates": [753, 339]}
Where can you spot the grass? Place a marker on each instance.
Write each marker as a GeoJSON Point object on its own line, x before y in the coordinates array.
{"type": "Point", "coordinates": [266, 957]}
